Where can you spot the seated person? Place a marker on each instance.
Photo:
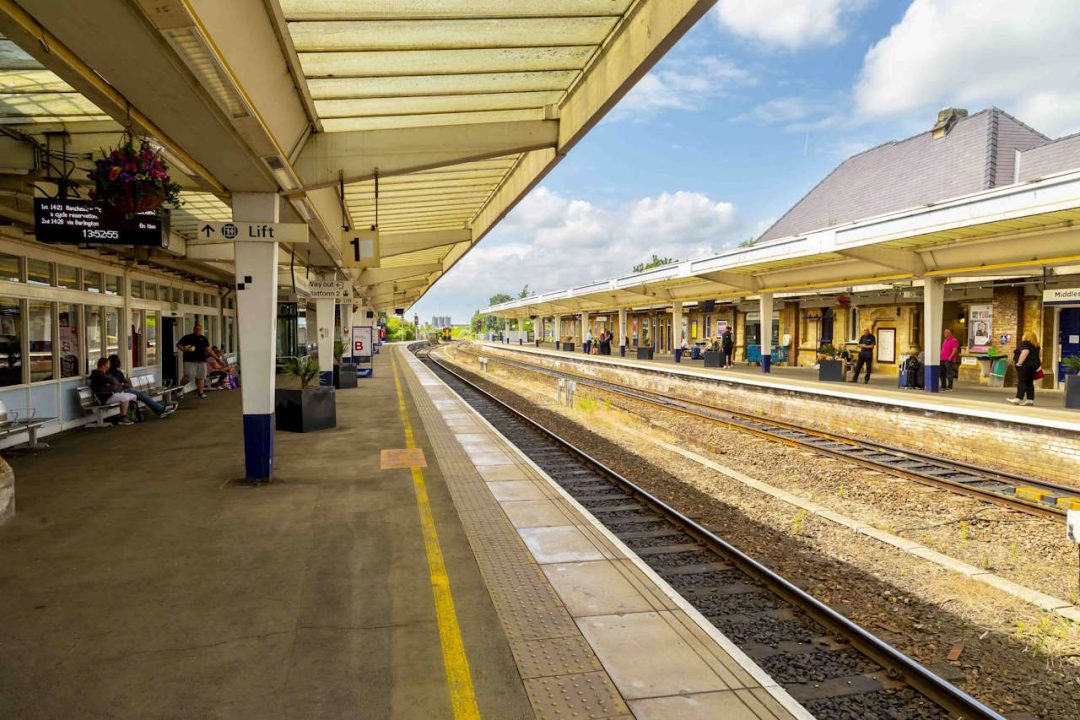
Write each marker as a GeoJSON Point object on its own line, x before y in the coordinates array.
{"type": "Point", "coordinates": [117, 374]}
{"type": "Point", "coordinates": [108, 390]}
{"type": "Point", "coordinates": [219, 372]}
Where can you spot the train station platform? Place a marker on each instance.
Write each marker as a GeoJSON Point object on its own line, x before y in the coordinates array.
{"type": "Point", "coordinates": [408, 564]}
{"type": "Point", "coordinates": [969, 424]}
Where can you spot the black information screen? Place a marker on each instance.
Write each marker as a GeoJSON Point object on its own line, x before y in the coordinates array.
{"type": "Point", "coordinates": [81, 222]}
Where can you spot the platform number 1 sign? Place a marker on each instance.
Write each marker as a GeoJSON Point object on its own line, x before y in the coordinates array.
{"type": "Point", "coordinates": [360, 249]}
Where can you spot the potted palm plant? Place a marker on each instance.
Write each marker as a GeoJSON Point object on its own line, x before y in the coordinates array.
{"type": "Point", "coordinates": [1072, 382]}
{"type": "Point", "coordinates": [567, 344]}
{"type": "Point", "coordinates": [344, 372]}
{"type": "Point", "coordinates": [309, 407]}
{"type": "Point", "coordinates": [830, 366]}
{"type": "Point", "coordinates": [713, 356]}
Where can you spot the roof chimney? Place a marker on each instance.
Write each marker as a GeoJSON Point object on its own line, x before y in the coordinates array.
{"type": "Point", "coordinates": [945, 120]}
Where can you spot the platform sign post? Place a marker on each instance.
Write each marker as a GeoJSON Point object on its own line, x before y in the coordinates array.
{"type": "Point", "coordinates": [1072, 532]}
{"type": "Point", "coordinates": [362, 342]}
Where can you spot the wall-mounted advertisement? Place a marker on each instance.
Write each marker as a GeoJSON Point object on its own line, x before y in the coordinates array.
{"type": "Point", "coordinates": [980, 324]}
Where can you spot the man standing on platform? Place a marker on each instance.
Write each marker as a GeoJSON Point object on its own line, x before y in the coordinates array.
{"type": "Point", "coordinates": [866, 355]}
{"type": "Point", "coordinates": [950, 357]}
{"type": "Point", "coordinates": [194, 345]}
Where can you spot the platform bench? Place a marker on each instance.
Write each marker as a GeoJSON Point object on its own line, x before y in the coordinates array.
{"type": "Point", "coordinates": [9, 427]}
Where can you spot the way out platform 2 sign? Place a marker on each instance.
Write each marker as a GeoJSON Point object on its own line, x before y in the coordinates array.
{"type": "Point", "coordinates": [216, 233]}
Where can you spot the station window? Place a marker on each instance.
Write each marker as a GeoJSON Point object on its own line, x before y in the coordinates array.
{"type": "Point", "coordinates": [10, 342]}
{"type": "Point", "coordinates": [112, 331]}
{"type": "Point", "coordinates": [93, 337]}
{"type": "Point", "coordinates": [165, 293]}
{"type": "Point", "coordinates": [68, 325]}
{"type": "Point", "coordinates": [138, 335]}
{"type": "Point", "coordinates": [9, 268]}
{"type": "Point", "coordinates": [112, 285]}
{"type": "Point", "coordinates": [91, 281]}
{"type": "Point", "coordinates": [151, 338]}
{"type": "Point", "coordinates": [854, 331]}
{"type": "Point", "coordinates": [67, 276]}
{"type": "Point", "coordinates": [39, 272]}
{"type": "Point", "coordinates": [151, 291]}
{"type": "Point", "coordinates": [187, 297]}
{"type": "Point", "coordinates": [207, 300]}
{"type": "Point", "coordinates": [41, 340]}
{"type": "Point", "coordinates": [136, 288]}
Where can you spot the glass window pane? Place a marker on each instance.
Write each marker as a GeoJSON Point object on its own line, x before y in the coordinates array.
{"type": "Point", "coordinates": [91, 281]}
{"type": "Point", "coordinates": [67, 276]}
{"type": "Point", "coordinates": [9, 268]}
{"type": "Point", "coordinates": [112, 285]}
{"type": "Point", "coordinates": [151, 338]}
{"type": "Point", "coordinates": [177, 295]}
{"type": "Point", "coordinates": [136, 288]}
{"type": "Point", "coordinates": [187, 297]}
{"type": "Point", "coordinates": [10, 342]}
{"type": "Point", "coordinates": [38, 272]}
{"type": "Point", "coordinates": [41, 340]}
{"type": "Point", "coordinates": [112, 331]}
{"type": "Point", "coordinates": [165, 294]}
{"type": "Point", "coordinates": [93, 337]}
{"type": "Point", "coordinates": [138, 327]}
{"type": "Point", "coordinates": [151, 291]}
{"type": "Point", "coordinates": [69, 340]}
{"type": "Point", "coordinates": [213, 301]}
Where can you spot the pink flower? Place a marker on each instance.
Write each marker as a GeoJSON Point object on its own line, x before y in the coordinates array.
{"type": "Point", "coordinates": [114, 171]}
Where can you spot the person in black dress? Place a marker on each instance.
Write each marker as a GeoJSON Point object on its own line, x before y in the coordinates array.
{"type": "Point", "coordinates": [1027, 359]}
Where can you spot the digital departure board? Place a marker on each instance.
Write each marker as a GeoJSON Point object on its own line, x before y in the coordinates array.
{"type": "Point", "coordinates": [80, 222]}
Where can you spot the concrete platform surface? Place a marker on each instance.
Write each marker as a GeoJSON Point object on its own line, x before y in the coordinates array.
{"type": "Point", "coordinates": [976, 401]}
{"type": "Point", "coordinates": [138, 581]}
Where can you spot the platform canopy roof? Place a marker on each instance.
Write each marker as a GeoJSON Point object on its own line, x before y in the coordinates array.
{"type": "Point", "coordinates": [431, 117]}
{"type": "Point", "coordinates": [1026, 227]}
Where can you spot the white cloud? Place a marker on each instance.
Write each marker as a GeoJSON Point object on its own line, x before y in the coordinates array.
{"type": "Point", "coordinates": [551, 242]}
{"type": "Point", "coordinates": [680, 85]}
{"type": "Point", "coordinates": [783, 110]}
{"type": "Point", "coordinates": [1020, 56]}
{"type": "Point", "coordinates": [790, 24]}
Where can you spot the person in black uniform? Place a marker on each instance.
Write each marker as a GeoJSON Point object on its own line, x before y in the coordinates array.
{"type": "Point", "coordinates": [727, 345]}
{"type": "Point", "coordinates": [866, 355]}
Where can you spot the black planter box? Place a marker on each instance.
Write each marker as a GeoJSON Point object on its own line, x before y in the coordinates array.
{"type": "Point", "coordinates": [305, 410]}
{"type": "Point", "coordinates": [344, 376]}
{"type": "Point", "coordinates": [831, 371]}
{"type": "Point", "coordinates": [1072, 392]}
{"type": "Point", "coordinates": [568, 347]}
{"type": "Point", "coordinates": [644, 353]}
{"type": "Point", "coordinates": [713, 358]}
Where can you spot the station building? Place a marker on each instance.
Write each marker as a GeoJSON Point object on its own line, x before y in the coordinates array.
{"type": "Point", "coordinates": [968, 226]}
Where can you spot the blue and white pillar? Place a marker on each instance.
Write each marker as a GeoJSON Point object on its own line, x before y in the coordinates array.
{"type": "Point", "coordinates": [256, 310]}
{"type": "Point", "coordinates": [933, 308]}
{"type": "Point", "coordinates": [324, 321]}
{"type": "Point", "coordinates": [765, 303]}
{"type": "Point", "coordinates": [624, 331]}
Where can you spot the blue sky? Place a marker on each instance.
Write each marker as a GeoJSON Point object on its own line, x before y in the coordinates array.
{"type": "Point", "coordinates": [758, 102]}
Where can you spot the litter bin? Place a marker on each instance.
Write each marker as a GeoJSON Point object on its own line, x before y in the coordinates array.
{"type": "Point", "coordinates": [678, 355]}
{"type": "Point", "coordinates": [766, 363]}
{"type": "Point", "coordinates": [997, 372]}
{"type": "Point", "coordinates": [622, 351]}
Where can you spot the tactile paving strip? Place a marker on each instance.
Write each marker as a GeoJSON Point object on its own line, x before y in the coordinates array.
{"type": "Point", "coordinates": [563, 677]}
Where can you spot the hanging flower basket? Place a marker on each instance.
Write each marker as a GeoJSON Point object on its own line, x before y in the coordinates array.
{"type": "Point", "coordinates": [131, 180]}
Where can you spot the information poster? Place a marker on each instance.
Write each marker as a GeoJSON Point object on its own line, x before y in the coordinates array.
{"type": "Point", "coordinates": [362, 341]}
{"type": "Point", "coordinates": [981, 324]}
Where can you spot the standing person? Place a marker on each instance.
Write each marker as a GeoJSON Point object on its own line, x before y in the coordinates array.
{"type": "Point", "coordinates": [195, 346]}
{"type": "Point", "coordinates": [727, 345]}
{"type": "Point", "coordinates": [950, 358]}
{"type": "Point", "coordinates": [109, 391]}
{"type": "Point", "coordinates": [1027, 359]}
{"type": "Point", "coordinates": [117, 373]}
{"type": "Point", "coordinates": [866, 354]}
{"type": "Point", "coordinates": [588, 342]}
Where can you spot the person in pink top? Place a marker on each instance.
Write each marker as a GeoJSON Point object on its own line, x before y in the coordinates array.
{"type": "Point", "coordinates": [950, 360]}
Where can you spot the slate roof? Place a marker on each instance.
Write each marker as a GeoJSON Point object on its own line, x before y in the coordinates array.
{"type": "Point", "coordinates": [1049, 158]}
{"type": "Point", "coordinates": [977, 154]}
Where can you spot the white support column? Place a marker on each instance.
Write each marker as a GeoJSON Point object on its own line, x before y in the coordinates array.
{"type": "Point", "coordinates": [584, 328]}
{"type": "Point", "coordinates": [256, 316]}
{"type": "Point", "coordinates": [933, 308]}
{"type": "Point", "coordinates": [765, 303]}
{"type": "Point", "coordinates": [677, 335]}
{"type": "Point", "coordinates": [346, 318]}
{"type": "Point", "coordinates": [624, 331]}
{"type": "Point", "coordinates": [558, 332]}
{"type": "Point", "coordinates": [324, 319]}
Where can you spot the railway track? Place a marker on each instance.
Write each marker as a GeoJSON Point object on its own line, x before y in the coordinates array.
{"type": "Point", "coordinates": [1036, 497]}
{"type": "Point", "coordinates": [833, 667]}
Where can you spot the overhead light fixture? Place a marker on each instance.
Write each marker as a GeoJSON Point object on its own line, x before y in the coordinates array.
{"type": "Point", "coordinates": [193, 49]}
{"type": "Point", "coordinates": [280, 169]}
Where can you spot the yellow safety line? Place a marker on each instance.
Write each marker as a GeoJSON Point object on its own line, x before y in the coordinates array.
{"type": "Point", "coordinates": [462, 695]}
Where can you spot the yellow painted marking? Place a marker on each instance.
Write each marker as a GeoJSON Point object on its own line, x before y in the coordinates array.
{"type": "Point", "coordinates": [1068, 503]}
{"type": "Point", "coordinates": [462, 695]}
{"type": "Point", "coordinates": [1030, 493]}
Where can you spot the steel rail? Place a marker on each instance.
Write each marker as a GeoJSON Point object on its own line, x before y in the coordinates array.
{"type": "Point", "coordinates": [767, 429]}
{"type": "Point", "coordinates": [895, 662]}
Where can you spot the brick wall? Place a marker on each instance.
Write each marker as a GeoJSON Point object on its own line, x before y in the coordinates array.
{"type": "Point", "coordinates": [1006, 445]}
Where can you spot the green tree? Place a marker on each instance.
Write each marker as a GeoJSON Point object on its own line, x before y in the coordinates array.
{"type": "Point", "coordinates": [525, 292]}
{"type": "Point", "coordinates": [656, 261]}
